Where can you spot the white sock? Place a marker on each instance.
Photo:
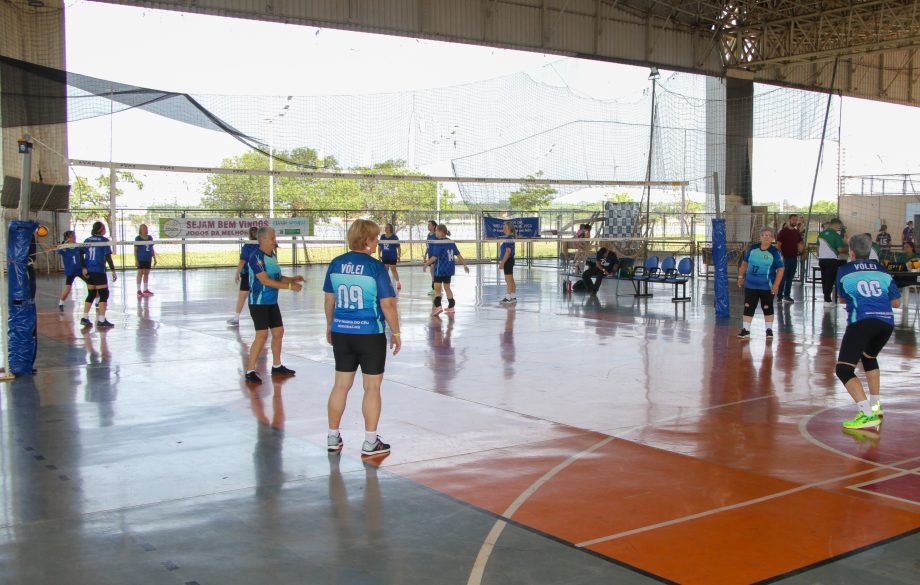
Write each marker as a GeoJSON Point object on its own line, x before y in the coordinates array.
{"type": "Point", "coordinates": [864, 407]}
{"type": "Point", "coordinates": [276, 365]}
{"type": "Point", "coordinates": [370, 436]}
{"type": "Point", "coordinates": [60, 303]}
{"type": "Point", "coordinates": [334, 432]}
{"type": "Point", "coordinates": [873, 399]}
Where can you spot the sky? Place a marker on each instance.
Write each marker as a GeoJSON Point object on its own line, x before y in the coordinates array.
{"type": "Point", "coordinates": [206, 55]}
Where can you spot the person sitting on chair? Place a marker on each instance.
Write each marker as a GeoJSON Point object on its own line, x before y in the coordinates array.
{"type": "Point", "coordinates": [605, 265]}
{"type": "Point", "coordinates": [902, 263]}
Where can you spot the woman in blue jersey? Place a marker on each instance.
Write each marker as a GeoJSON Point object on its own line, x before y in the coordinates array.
{"type": "Point", "coordinates": [506, 263]}
{"type": "Point", "coordinates": [265, 280]}
{"type": "Point", "coordinates": [760, 275]}
{"type": "Point", "coordinates": [390, 254]}
{"type": "Point", "coordinates": [143, 256]}
{"type": "Point", "coordinates": [432, 227]}
{"type": "Point", "coordinates": [73, 265]}
{"type": "Point", "coordinates": [242, 275]}
{"type": "Point", "coordinates": [442, 257]}
{"type": "Point", "coordinates": [869, 293]}
{"type": "Point", "coordinates": [95, 258]}
{"type": "Point", "coordinates": [359, 299]}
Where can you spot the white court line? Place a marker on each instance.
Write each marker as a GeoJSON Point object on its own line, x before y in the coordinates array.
{"type": "Point", "coordinates": [738, 505]}
{"type": "Point", "coordinates": [479, 566]}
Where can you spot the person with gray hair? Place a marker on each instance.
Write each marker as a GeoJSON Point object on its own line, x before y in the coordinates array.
{"type": "Point", "coordinates": [869, 293]}
{"type": "Point", "coordinates": [265, 280]}
{"type": "Point", "coordinates": [760, 275]}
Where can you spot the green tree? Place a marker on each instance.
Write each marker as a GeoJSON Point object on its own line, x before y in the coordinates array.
{"type": "Point", "coordinates": [84, 195]}
{"type": "Point", "coordinates": [531, 197]}
{"type": "Point", "coordinates": [822, 207]}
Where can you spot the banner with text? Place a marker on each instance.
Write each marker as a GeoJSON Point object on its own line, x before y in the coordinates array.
{"type": "Point", "coordinates": [524, 227]}
{"type": "Point", "coordinates": [231, 227]}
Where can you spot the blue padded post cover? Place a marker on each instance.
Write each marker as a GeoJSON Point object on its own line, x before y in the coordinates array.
{"type": "Point", "coordinates": [23, 341]}
{"type": "Point", "coordinates": [720, 262]}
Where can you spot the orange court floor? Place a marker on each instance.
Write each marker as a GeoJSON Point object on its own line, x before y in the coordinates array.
{"type": "Point", "coordinates": [564, 439]}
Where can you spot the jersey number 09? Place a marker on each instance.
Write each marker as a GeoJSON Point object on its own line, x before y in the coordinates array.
{"type": "Point", "coordinates": [350, 297]}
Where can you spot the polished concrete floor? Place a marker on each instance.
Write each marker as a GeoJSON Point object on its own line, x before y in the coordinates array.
{"type": "Point", "coordinates": [564, 440]}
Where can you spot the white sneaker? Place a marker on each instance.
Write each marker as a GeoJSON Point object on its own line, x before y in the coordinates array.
{"type": "Point", "coordinates": [233, 321]}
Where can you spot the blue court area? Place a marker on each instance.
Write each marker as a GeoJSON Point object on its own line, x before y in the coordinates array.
{"type": "Point", "coordinates": [565, 439]}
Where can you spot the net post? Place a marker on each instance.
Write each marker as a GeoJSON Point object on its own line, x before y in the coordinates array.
{"type": "Point", "coordinates": [5, 374]}
{"type": "Point", "coordinates": [25, 183]}
{"type": "Point", "coordinates": [184, 266]}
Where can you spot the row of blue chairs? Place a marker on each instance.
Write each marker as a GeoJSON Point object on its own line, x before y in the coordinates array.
{"type": "Point", "coordinates": [668, 271]}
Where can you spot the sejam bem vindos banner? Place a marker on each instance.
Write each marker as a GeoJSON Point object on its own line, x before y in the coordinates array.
{"type": "Point", "coordinates": [231, 227]}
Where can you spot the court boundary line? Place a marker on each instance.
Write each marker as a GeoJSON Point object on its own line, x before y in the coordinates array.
{"type": "Point", "coordinates": [836, 558]}
{"type": "Point", "coordinates": [737, 505]}
{"type": "Point", "coordinates": [488, 545]}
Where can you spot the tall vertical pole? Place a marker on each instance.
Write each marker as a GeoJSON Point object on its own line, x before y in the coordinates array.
{"type": "Point", "coordinates": [271, 169]}
{"type": "Point", "coordinates": [25, 184]}
{"type": "Point", "coordinates": [648, 170]}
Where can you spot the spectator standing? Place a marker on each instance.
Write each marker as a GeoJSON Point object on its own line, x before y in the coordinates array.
{"type": "Point", "coordinates": [830, 244]}
{"type": "Point", "coordinates": [791, 245]}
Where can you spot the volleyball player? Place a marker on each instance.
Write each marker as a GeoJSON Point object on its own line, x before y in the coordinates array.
{"type": "Point", "coordinates": [242, 274]}
{"type": "Point", "coordinates": [73, 265]}
{"type": "Point", "coordinates": [869, 294]}
{"type": "Point", "coordinates": [265, 280]}
{"type": "Point", "coordinates": [442, 257]}
{"type": "Point", "coordinates": [143, 255]}
{"type": "Point", "coordinates": [358, 299]}
{"type": "Point", "coordinates": [760, 275]}
{"type": "Point", "coordinates": [94, 262]}
{"type": "Point", "coordinates": [506, 263]}
{"type": "Point", "coordinates": [432, 227]}
{"type": "Point", "coordinates": [390, 254]}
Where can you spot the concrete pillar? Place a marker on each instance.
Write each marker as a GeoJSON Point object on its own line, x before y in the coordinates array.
{"type": "Point", "coordinates": [739, 141]}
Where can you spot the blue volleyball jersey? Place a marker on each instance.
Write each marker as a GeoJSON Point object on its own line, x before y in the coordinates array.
{"type": "Point", "coordinates": [506, 246]}
{"type": "Point", "coordinates": [95, 255]}
{"type": "Point", "coordinates": [431, 236]}
{"type": "Point", "coordinates": [388, 251]}
{"type": "Point", "coordinates": [245, 254]}
{"type": "Point", "coordinates": [762, 267]}
{"type": "Point", "coordinates": [446, 253]}
{"type": "Point", "coordinates": [73, 265]}
{"type": "Point", "coordinates": [358, 282]}
{"type": "Point", "coordinates": [259, 262]}
{"type": "Point", "coordinates": [868, 290]}
{"type": "Point", "coordinates": [144, 253]}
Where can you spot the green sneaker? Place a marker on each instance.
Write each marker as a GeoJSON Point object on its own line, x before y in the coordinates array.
{"type": "Point", "coordinates": [862, 421]}
{"type": "Point", "coordinates": [877, 409]}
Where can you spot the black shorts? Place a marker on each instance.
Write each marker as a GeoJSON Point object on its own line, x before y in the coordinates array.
{"type": "Point", "coordinates": [389, 262]}
{"type": "Point", "coordinates": [867, 336]}
{"type": "Point", "coordinates": [244, 282]}
{"type": "Point", "coordinates": [143, 264]}
{"type": "Point", "coordinates": [442, 279]}
{"type": "Point", "coordinates": [265, 316]}
{"type": "Point", "coordinates": [68, 280]}
{"type": "Point", "coordinates": [352, 350]}
{"type": "Point", "coordinates": [509, 266]}
{"type": "Point", "coordinates": [755, 297]}
{"type": "Point", "coordinates": [97, 279]}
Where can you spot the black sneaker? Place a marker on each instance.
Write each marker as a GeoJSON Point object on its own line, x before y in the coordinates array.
{"type": "Point", "coordinates": [282, 371]}
{"type": "Point", "coordinates": [104, 324]}
{"type": "Point", "coordinates": [61, 308]}
{"type": "Point", "coordinates": [253, 378]}
{"type": "Point", "coordinates": [790, 300]}
{"type": "Point", "coordinates": [86, 322]}
{"type": "Point", "coordinates": [769, 334]}
{"type": "Point", "coordinates": [744, 333]}
{"type": "Point", "coordinates": [378, 447]}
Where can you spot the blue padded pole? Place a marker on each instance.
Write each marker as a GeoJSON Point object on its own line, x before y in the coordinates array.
{"type": "Point", "coordinates": [720, 262]}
